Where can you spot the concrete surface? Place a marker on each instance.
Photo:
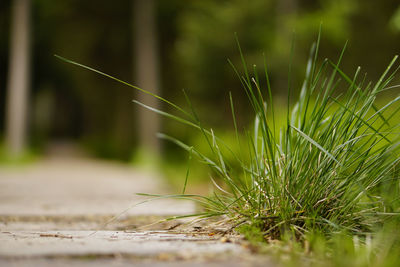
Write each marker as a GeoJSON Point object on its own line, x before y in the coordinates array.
{"type": "Point", "coordinates": [80, 243]}
{"type": "Point", "coordinates": [68, 186]}
{"type": "Point", "coordinates": [54, 213]}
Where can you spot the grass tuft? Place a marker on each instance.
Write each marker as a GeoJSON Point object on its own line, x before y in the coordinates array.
{"type": "Point", "coordinates": [332, 166]}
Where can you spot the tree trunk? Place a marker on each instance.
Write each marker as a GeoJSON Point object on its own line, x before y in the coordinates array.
{"type": "Point", "coordinates": [146, 72]}
{"type": "Point", "coordinates": [18, 78]}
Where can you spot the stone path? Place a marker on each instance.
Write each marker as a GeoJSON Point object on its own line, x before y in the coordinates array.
{"type": "Point", "coordinates": [67, 186]}
{"type": "Point", "coordinates": [55, 213]}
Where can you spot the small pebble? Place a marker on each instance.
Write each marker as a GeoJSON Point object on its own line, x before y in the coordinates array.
{"type": "Point", "coordinates": [224, 239]}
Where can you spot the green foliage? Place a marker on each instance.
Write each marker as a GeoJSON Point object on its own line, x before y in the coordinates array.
{"type": "Point", "coordinates": [341, 250]}
{"type": "Point", "coordinates": [252, 232]}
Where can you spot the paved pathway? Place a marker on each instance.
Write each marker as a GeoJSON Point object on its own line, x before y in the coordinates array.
{"type": "Point", "coordinates": [54, 213]}
{"type": "Point", "coordinates": [67, 186]}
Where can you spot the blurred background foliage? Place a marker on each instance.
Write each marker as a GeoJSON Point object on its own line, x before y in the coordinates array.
{"type": "Point", "coordinates": [195, 39]}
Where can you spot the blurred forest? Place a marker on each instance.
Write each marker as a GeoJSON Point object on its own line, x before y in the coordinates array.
{"type": "Point", "coordinates": [194, 40]}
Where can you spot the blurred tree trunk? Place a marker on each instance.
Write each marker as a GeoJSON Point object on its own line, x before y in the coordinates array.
{"type": "Point", "coordinates": [146, 72]}
{"type": "Point", "coordinates": [18, 77]}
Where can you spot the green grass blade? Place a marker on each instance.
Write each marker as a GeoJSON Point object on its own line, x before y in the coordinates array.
{"type": "Point", "coordinates": [312, 141]}
{"type": "Point", "coordinates": [123, 82]}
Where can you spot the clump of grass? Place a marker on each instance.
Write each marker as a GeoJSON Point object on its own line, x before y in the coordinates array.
{"type": "Point", "coordinates": [323, 171]}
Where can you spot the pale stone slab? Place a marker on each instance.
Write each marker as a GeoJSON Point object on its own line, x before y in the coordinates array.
{"type": "Point", "coordinates": [48, 209]}
{"type": "Point", "coordinates": [67, 186]}
{"type": "Point", "coordinates": [144, 244]}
